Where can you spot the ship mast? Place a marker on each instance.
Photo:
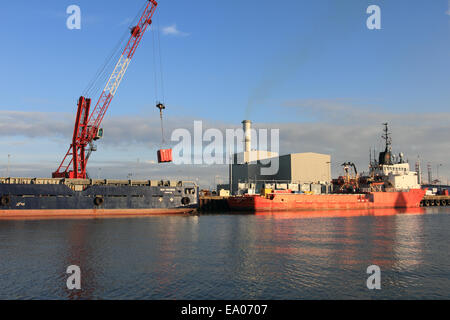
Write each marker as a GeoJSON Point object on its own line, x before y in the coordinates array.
{"type": "Point", "coordinates": [386, 156]}
{"type": "Point", "coordinates": [387, 138]}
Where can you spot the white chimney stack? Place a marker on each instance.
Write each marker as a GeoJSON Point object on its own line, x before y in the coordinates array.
{"type": "Point", "coordinates": [247, 126]}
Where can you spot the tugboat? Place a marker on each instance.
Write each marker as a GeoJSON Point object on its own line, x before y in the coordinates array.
{"type": "Point", "coordinates": [389, 184]}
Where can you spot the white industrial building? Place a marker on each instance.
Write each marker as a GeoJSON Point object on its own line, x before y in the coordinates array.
{"type": "Point", "coordinates": [295, 171]}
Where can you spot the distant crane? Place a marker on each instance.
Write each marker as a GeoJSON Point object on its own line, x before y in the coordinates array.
{"type": "Point", "coordinates": [430, 174]}
{"type": "Point", "coordinates": [87, 125]}
{"type": "Point", "coordinates": [348, 183]}
{"type": "Point", "coordinates": [418, 169]}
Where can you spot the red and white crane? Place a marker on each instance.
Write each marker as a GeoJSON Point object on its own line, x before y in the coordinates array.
{"type": "Point", "coordinates": [87, 125]}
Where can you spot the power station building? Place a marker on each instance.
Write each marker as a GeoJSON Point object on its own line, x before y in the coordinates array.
{"type": "Point", "coordinates": [255, 169]}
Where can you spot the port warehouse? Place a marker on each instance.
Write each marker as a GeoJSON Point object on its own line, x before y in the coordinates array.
{"type": "Point", "coordinates": [307, 172]}
{"type": "Point", "coordinates": [251, 170]}
{"type": "Point", "coordinates": [299, 172]}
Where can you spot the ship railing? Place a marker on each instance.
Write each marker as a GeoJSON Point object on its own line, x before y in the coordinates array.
{"type": "Point", "coordinates": [281, 181]}
{"type": "Point", "coordinates": [92, 182]}
{"type": "Point", "coordinates": [21, 180]}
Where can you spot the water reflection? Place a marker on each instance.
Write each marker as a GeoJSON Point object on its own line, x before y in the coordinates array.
{"type": "Point", "coordinates": [340, 241]}
{"type": "Point", "coordinates": [341, 213]}
{"type": "Point", "coordinates": [79, 253]}
{"type": "Point", "coordinates": [286, 255]}
{"type": "Point", "coordinates": [378, 235]}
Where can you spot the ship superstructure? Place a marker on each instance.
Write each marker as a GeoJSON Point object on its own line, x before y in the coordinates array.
{"type": "Point", "coordinates": [389, 172]}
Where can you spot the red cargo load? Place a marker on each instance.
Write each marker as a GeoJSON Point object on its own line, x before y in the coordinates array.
{"type": "Point", "coordinates": [164, 155]}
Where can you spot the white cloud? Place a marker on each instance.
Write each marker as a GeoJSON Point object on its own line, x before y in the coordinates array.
{"type": "Point", "coordinates": [343, 128]}
{"type": "Point", "coordinates": [173, 30]}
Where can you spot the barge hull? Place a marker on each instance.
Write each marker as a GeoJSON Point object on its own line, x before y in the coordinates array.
{"type": "Point", "coordinates": [5, 214]}
{"type": "Point", "coordinates": [24, 197]}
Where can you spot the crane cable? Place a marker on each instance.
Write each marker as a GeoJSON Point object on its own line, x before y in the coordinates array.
{"type": "Point", "coordinates": [159, 103]}
{"type": "Point", "coordinates": [162, 129]}
{"type": "Point", "coordinates": [161, 107]}
{"type": "Point", "coordinates": [154, 66]}
{"type": "Point", "coordinates": [160, 60]}
{"type": "Point", "coordinates": [93, 85]}
{"type": "Point", "coordinates": [100, 77]}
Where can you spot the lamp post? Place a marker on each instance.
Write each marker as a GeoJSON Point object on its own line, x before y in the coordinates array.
{"type": "Point", "coordinates": [438, 180]}
{"type": "Point", "coordinates": [328, 164]}
{"type": "Point", "coordinates": [7, 169]}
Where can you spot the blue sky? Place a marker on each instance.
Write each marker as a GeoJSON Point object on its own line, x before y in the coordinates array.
{"type": "Point", "coordinates": [236, 53]}
{"type": "Point", "coordinates": [231, 59]}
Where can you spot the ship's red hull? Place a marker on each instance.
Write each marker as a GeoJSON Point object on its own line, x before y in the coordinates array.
{"type": "Point", "coordinates": [291, 201]}
{"type": "Point", "coordinates": [91, 213]}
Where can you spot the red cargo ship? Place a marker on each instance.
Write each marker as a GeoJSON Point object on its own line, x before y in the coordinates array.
{"type": "Point", "coordinates": [389, 184]}
{"type": "Point", "coordinates": [292, 201]}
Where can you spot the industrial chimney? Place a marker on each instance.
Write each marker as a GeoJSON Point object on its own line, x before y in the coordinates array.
{"type": "Point", "coordinates": [247, 126]}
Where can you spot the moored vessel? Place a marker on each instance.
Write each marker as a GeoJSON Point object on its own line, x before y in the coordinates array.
{"type": "Point", "coordinates": [389, 184]}
{"type": "Point", "coordinates": [27, 197]}
{"type": "Point", "coordinates": [292, 201]}
{"type": "Point", "coordinates": [70, 191]}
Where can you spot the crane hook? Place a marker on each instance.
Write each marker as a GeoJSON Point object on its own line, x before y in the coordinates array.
{"type": "Point", "coordinates": [161, 107]}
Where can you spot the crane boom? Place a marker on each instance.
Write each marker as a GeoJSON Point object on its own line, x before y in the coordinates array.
{"type": "Point", "coordinates": [87, 125]}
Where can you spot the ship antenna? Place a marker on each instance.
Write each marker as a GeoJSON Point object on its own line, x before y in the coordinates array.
{"type": "Point", "coordinates": [387, 137]}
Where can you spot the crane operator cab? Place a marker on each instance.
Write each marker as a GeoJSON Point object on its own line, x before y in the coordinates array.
{"type": "Point", "coordinates": [98, 134]}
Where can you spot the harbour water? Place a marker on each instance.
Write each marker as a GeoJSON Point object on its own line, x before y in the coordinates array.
{"type": "Point", "coordinates": [317, 255]}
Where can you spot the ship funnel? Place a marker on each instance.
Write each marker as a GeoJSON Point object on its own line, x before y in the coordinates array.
{"type": "Point", "coordinates": [247, 126]}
